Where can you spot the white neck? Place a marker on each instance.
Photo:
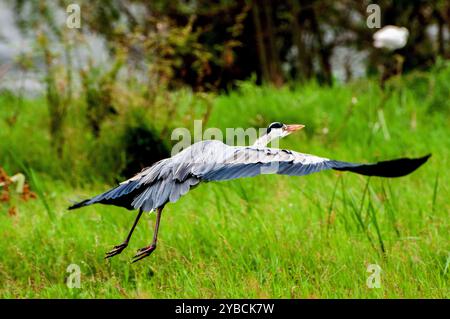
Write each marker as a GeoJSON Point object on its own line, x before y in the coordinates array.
{"type": "Point", "coordinates": [263, 141]}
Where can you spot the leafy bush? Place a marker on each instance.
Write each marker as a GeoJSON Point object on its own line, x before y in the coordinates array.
{"type": "Point", "coordinates": [143, 147]}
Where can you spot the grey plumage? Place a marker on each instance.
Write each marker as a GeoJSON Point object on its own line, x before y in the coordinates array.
{"type": "Point", "coordinates": [205, 161]}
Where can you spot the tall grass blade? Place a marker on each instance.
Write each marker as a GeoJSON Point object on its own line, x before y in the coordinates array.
{"type": "Point", "coordinates": [357, 213]}
{"type": "Point", "coordinates": [377, 228]}
{"type": "Point", "coordinates": [447, 264]}
{"type": "Point", "coordinates": [345, 205]}
{"type": "Point", "coordinates": [435, 190]}
{"type": "Point", "coordinates": [390, 210]}
{"type": "Point", "coordinates": [330, 207]}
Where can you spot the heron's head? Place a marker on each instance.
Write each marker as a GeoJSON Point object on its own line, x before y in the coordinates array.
{"type": "Point", "coordinates": [277, 130]}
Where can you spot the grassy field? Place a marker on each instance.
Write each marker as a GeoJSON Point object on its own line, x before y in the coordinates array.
{"type": "Point", "coordinates": [270, 236]}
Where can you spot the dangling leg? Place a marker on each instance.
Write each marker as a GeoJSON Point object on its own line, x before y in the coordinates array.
{"type": "Point", "coordinates": [118, 249]}
{"type": "Point", "coordinates": [146, 251]}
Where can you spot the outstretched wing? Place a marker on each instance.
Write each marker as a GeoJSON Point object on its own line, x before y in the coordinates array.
{"type": "Point", "coordinates": [207, 161]}
{"type": "Point", "coordinates": [148, 190]}
{"type": "Point", "coordinates": [249, 162]}
{"type": "Point", "coordinates": [164, 181]}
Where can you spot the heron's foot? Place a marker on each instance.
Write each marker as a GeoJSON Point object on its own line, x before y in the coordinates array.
{"type": "Point", "coordinates": [116, 250]}
{"type": "Point", "coordinates": [143, 252]}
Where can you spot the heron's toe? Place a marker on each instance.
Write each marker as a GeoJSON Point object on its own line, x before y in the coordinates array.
{"type": "Point", "coordinates": [143, 252]}
{"type": "Point", "coordinates": [116, 250]}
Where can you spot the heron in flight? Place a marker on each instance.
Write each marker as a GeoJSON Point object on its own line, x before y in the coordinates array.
{"type": "Point", "coordinates": [206, 161]}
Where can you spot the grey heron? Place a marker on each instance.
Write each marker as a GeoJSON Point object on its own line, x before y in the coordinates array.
{"type": "Point", "coordinates": [211, 160]}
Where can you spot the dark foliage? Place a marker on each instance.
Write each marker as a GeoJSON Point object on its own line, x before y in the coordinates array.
{"type": "Point", "coordinates": [143, 147]}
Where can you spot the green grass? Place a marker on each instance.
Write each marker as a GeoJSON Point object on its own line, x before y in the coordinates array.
{"type": "Point", "coordinates": [270, 236]}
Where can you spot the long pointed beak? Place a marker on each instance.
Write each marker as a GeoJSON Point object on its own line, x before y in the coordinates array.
{"type": "Point", "coordinates": [294, 127]}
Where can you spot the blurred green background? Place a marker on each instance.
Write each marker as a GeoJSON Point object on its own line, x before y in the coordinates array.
{"type": "Point", "coordinates": [82, 109]}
